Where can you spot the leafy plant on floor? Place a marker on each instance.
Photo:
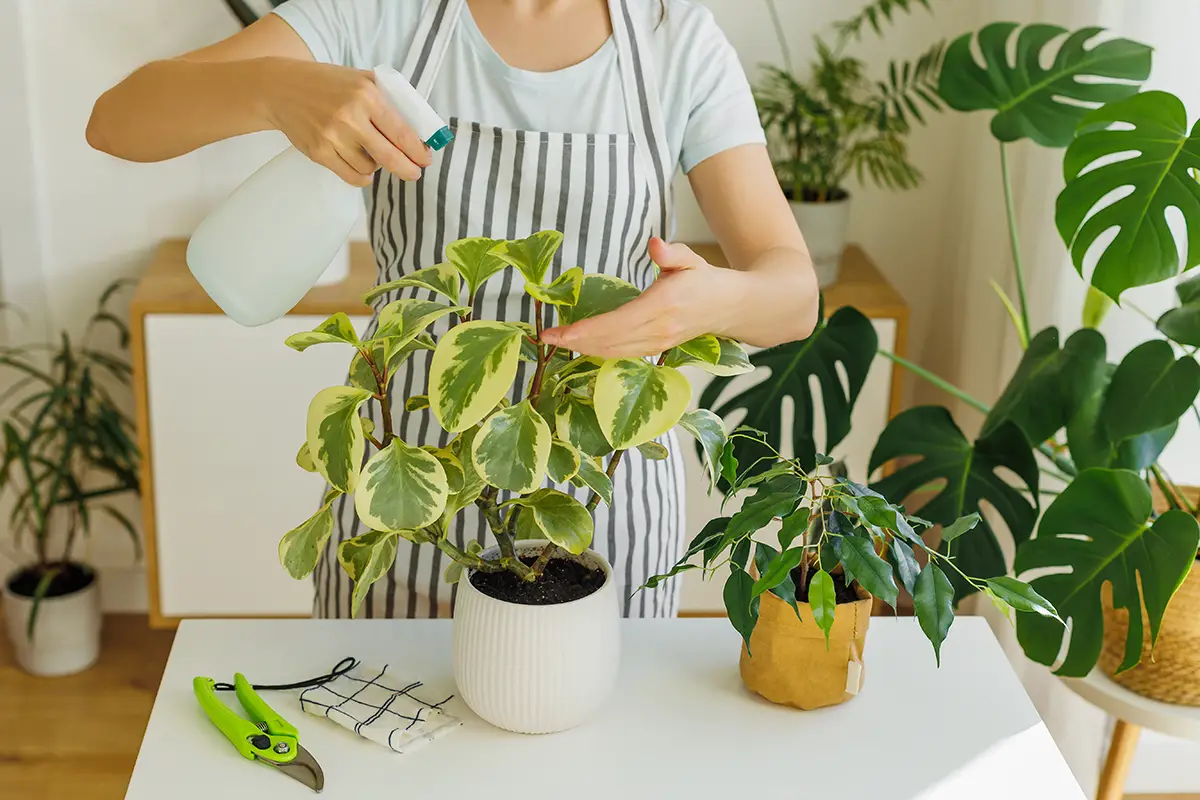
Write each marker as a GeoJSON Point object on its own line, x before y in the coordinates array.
{"type": "Point", "coordinates": [572, 423]}
{"type": "Point", "coordinates": [830, 525]}
{"type": "Point", "coordinates": [837, 121]}
{"type": "Point", "coordinates": [1069, 424]}
{"type": "Point", "coordinates": [69, 449]}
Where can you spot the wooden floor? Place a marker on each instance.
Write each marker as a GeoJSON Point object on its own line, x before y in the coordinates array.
{"type": "Point", "coordinates": [77, 737]}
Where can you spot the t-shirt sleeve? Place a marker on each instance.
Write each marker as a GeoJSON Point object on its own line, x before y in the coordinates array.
{"type": "Point", "coordinates": [721, 112]}
{"type": "Point", "coordinates": [344, 32]}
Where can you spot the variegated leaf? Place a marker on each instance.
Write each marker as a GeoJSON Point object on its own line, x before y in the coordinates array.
{"type": "Point", "coordinates": [300, 548]}
{"type": "Point", "coordinates": [335, 437]}
{"type": "Point", "coordinates": [706, 348]}
{"type": "Point", "coordinates": [416, 403]}
{"type": "Point", "coordinates": [440, 278]}
{"type": "Point", "coordinates": [402, 487]}
{"type": "Point", "coordinates": [637, 401]}
{"type": "Point", "coordinates": [304, 459]}
{"type": "Point", "coordinates": [366, 559]}
{"type": "Point", "coordinates": [575, 422]}
{"type": "Point", "coordinates": [579, 368]}
{"type": "Point", "coordinates": [453, 573]}
{"type": "Point", "coordinates": [558, 518]}
{"type": "Point", "coordinates": [564, 291]}
{"type": "Point", "coordinates": [385, 352]}
{"type": "Point", "coordinates": [473, 368]}
{"type": "Point", "coordinates": [595, 478]}
{"type": "Point", "coordinates": [709, 430]}
{"type": "Point", "coordinates": [368, 425]}
{"type": "Point", "coordinates": [475, 261]}
{"type": "Point", "coordinates": [406, 318]}
{"type": "Point", "coordinates": [337, 328]}
{"type": "Point", "coordinates": [564, 461]}
{"type": "Point", "coordinates": [598, 294]}
{"type": "Point", "coordinates": [654, 451]}
{"type": "Point", "coordinates": [450, 464]}
{"type": "Point", "coordinates": [512, 449]}
{"type": "Point", "coordinates": [532, 255]}
{"type": "Point", "coordinates": [733, 359]}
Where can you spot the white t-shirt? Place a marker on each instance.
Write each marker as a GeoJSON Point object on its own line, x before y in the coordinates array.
{"type": "Point", "coordinates": [707, 103]}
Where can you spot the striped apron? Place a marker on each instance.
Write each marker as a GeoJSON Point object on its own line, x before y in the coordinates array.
{"type": "Point", "coordinates": [608, 194]}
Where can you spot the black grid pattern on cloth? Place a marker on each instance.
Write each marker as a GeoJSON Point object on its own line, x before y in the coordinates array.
{"type": "Point", "coordinates": [362, 713]}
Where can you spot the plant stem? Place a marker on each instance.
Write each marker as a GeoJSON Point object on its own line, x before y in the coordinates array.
{"type": "Point", "coordinates": [469, 560]}
{"type": "Point", "coordinates": [1014, 240]}
{"type": "Point", "coordinates": [71, 534]}
{"type": "Point", "coordinates": [543, 559]}
{"type": "Point", "coordinates": [613, 463]}
{"type": "Point", "coordinates": [941, 383]}
{"type": "Point", "coordinates": [535, 389]}
{"type": "Point", "coordinates": [1171, 491]}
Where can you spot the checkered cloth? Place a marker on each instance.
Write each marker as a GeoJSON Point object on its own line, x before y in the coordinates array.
{"type": "Point", "coordinates": [364, 701]}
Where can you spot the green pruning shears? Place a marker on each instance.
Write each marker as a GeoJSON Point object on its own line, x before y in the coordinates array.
{"type": "Point", "coordinates": [265, 737]}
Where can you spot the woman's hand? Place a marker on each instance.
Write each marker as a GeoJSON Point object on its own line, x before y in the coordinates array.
{"type": "Point", "coordinates": [339, 118]}
{"type": "Point", "coordinates": [690, 298]}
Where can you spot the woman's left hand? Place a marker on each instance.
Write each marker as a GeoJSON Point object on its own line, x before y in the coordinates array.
{"type": "Point", "coordinates": [689, 298]}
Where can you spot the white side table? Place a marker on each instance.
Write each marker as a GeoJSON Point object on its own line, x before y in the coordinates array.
{"type": "Point", "coordinates": [1132, 712]}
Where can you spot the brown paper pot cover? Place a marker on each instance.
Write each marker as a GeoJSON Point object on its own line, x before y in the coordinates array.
{"type": "Point", "coordinates": [1172, 674]}
{"type": "Point", "coordinates": [790, 664]}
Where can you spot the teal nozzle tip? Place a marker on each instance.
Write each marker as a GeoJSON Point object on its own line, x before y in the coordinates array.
{"type": "Point", "coordinates": [441, 138]}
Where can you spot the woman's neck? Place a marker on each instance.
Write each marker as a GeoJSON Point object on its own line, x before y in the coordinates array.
{"type": "Point", "coordinates": [543, 35]}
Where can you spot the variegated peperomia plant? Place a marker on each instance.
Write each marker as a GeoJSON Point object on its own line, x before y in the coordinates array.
{"type": "Point", "coordinates": [573, 422]}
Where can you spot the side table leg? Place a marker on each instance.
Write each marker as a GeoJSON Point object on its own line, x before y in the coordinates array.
{"type": "Point", "coordinates": [1120, 756]}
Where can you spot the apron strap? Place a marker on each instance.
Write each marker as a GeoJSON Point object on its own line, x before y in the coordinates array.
{"type": "Point", "coordinates": [639, 80]}
{"type": "Point", "coordinates": [428, 48]}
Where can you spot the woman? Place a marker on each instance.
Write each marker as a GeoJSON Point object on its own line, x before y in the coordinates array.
{"type": "Point", "coordinates": [569, 114]}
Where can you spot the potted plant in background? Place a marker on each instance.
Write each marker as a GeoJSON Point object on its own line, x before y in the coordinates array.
{"type": "Point", "coordinates": [68, 451]}
{"type": "Point", "coordinates": [573, 422]}
{"type": "Point", "coordinates": [805, 618]}
{"type": "Point", "coordinates": [838, 122]}
{"type": "Point", "coordinates": [1069, 424]}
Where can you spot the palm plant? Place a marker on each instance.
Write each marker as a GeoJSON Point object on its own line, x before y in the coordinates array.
{"type": "Point", "coordinates": [69, 448]}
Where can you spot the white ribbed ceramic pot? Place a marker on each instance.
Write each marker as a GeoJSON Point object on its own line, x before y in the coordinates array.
{"type": "Point", "coordinates": [537, 669]}
{"type": "Point", "coordinates": [824, 226]}
{"type": "Point", "coordinates": [66, 633]}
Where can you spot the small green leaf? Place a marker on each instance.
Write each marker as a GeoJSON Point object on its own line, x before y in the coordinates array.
{"type": "Point", "coordinates": [595, 479]}
{"type": "Point", "coordinates": [875, 574]}
{"type": "Point", "coordinates": [778, 570]}
{"type": "Point", "coordinates": [564, 461]}
{"type": "Point", "coordinates": [532, 255]}
{"type": "Point", "coordinates": [959, 527]}
{"type": "Point", "coordinates": [823, 600]}
{"type": "Point", "coordinates": [654, 451]}
{"type": "Point", "coordinates": [440, 278]}
{"type": "Point", "coordinates": [598, 294]}
{"type": "Point", "coordinates": [729, 464]}
{"type": "Point", "coordinates": [785, 590]}
{"type": "Point", "coordinates": [710, 434]}
{"type": "Point", "coordinates": [475, 261]}
{"type": "Point", "coordinates": [705, 348]}
{"type": "Point", "coordinates": [366, 559]}
{"type": "Point", "coordinates": [558, 518]}
{"type": "Point", "coordinates": [934, 602]}
{"type": "Point", "coordinates": [453, 573]}
{"type": "Point", "coordinates": [636, 401]}
{"type": "Point", "coordinates": [300, 548]}
{"type": "Point", "coordinates": [512, 449]}
{"type": "Point", "coordinates": [336, 329]}
{"type": "Point", "coordinates": [877, 512]}
{"type": "Point", "coordinates": [416, 403]}
{"type": "Point", "coordinates": [564, 291]}
{"type": "Point", "coordinates": [741, 606]}
{"type": "Point", "coordinates": [451, 465]}
{"type": "Point", "coordinates": [472, 371]}
{"type": "Point", "coordinates": [304, 459]}
{"type": "Point", "coordinates": [335, 437]}
{"type": "Point", "coordinates": [575, 422]}
{"type": "Point", "coordinates": [732, 360]}
{"type": "Point", "coordinates": [402, 488]}
{"type": "Point", "coordinates": [794, 524]}
{"type": "Point", "coordinates": [1021, 596]}
{"type": "Point", "coordinates": [901, 557]}
{"type": "Point", "coordinates": [405, 319]}
{"type": "Point", "coordinates": [368, 425]}
{"type": "Point", "coordinates": [654, 580]}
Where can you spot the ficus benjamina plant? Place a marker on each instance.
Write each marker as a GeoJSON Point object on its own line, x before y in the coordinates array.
{"type": "Point", "coordinates": [1068, 454]}
{"type": "Point", "coordinates": [572, 423]}
{"type": "Point", "coordinates": [826, 524]}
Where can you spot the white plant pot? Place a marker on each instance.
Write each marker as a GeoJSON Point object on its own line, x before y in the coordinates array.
{"type": "Point", "coordinates": [824, 227]}
{"type": "Point", "coordinates": [537, 669]}
{"type": "Point", "coordinates": [66, 633]}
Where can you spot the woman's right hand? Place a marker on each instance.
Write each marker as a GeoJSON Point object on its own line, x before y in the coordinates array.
{"type": "Point", "coordinates": [340, 119]}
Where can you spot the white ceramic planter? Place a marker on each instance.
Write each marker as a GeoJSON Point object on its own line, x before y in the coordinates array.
{"type": "Point", "coordinates": [824, 227]}
{"type": "Point", "coordinates": [537, 669]}
{"type": "Point", "coordinates": [66, 634]}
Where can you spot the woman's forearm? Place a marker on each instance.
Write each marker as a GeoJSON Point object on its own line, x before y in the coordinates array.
{"type": "Point", "coordinates": [774, 300]}
{"type": "Point", "coordinates": [168, 108]}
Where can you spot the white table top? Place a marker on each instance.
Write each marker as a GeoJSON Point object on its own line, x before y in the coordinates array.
{"type": "Point", "coordinates": [681, 725]}
{"type": "Point", "coordinates": [1108, 695]}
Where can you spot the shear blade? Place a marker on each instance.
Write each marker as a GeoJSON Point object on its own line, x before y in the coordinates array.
{"type": "Point", "coordinates": [303, 768]}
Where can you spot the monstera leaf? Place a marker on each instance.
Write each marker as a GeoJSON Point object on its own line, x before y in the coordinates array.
{"type": "Point", "coordinates": [1049, 385]}
{"type": "Point", "coordinates": [1156, 171]}
{"type": "Point", "coordinates": [971, 480]}
{"type": "Point", "coordinates": [847, 338]}
{"type": "Point", "coordinates": [1100, 528]}
{"type": "Point", "coordinates": [1044, 104]}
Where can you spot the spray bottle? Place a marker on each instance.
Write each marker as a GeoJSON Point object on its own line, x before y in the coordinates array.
{"type": "Point", "coordinates": [259, 252]}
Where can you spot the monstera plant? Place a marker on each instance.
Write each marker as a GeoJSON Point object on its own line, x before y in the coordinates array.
{"type": "Point", "coordinates": [572, 423]}
{"type": "Point", "coordinates": [1069, 424]}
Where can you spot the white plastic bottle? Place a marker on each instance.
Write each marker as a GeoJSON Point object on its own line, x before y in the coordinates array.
{"type": "Point", "coordinates": [259, 252]}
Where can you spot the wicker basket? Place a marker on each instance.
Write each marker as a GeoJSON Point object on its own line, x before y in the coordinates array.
{"type": "Point", "coordinates": [1172, 674]}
